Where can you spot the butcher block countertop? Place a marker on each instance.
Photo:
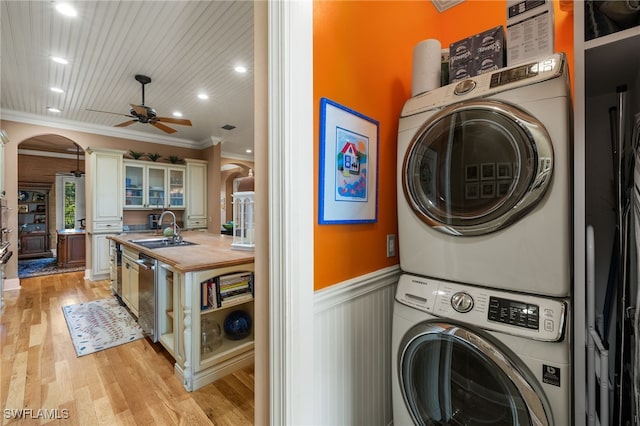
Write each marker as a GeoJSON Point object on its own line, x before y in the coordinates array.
{"type": "Point", "coordinates": [211, 251]}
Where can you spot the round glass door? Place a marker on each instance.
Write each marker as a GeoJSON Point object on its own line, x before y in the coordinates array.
{"type": "Point", "coordinates": [477, 167]}
{"type": "Point", "coordinates": [450, 375]}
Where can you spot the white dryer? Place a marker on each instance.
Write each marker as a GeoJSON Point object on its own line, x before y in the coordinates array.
{"type": "Point", "coordinates": [465, 355]}
{"type": "Point", "coordinates": [484, 180]}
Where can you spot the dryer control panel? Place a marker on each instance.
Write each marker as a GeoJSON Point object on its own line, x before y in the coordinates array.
{"type": "Point", "coordinates": [535, 317]}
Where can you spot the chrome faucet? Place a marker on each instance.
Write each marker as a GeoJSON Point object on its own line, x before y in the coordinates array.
{"type": "Point", "coordinates": [177, 237]}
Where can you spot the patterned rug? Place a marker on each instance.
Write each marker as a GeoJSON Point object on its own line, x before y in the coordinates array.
{"type": "Point", "coordinates": [100, 324]}
{"type": "Point", "coordinates": [38, 267]}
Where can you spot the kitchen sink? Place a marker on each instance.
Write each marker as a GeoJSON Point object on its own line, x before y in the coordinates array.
{"type": "Point", "coordinates": [156, 243]}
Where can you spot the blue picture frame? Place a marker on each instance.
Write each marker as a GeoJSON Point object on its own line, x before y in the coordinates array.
{"type": "Point", "coordinates": [348, 177]}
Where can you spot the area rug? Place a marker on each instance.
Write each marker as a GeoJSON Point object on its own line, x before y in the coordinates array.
{"type": "Point", "coordinates": [38, 267]}
{"type": "Point", "coordinates": [100, 324]}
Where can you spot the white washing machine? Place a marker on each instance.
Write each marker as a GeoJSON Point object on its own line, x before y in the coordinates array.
{"type": "Point", "coordinates": [465, 355]}
{"type": "Point", "coordinates": [484, 180]}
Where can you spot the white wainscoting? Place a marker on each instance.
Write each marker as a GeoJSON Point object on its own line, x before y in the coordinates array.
{"type": "Point", "coordinates": [352, 347]}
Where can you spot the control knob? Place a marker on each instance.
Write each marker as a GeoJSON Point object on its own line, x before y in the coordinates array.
{"type": "Point", "coordinates": [462, 302]}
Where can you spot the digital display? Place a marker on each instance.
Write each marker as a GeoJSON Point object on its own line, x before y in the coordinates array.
{"type": "Point", "coordinates": [514, 313]}
{"type": "Point", "coordinates": [514, 74]}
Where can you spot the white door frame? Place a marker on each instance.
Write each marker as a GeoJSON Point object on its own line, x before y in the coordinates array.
{"type": "Point", "coordinates": [290, 210]}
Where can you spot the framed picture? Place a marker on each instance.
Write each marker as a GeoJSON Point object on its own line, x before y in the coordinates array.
{"type": "Point", "coordinates": [471, 173]}
{"type": "Point", "coordinates": [471, 190]}
{"type": "Point", "coordinates": [348, 188]}
{"type": "Point", "coordinates": [504, 171]}
{"type": "Point", "coordinates": [23, 208]}
{"type": "Point", "coordinates": [487, 171]}
{"type": "Point", "coordinates": [488, 190]}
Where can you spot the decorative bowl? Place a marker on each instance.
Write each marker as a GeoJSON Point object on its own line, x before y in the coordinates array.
{"type": "Point", "coordinates": [237, 325]}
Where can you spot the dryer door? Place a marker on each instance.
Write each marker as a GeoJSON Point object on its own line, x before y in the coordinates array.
{"type": "Point", "coordinates": [477, 167]}
{"type": "Point", "coordinates": [450, 375]}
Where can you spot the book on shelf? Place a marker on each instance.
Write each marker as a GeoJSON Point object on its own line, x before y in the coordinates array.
{"type": "Point", "coordinates": [226, 290]}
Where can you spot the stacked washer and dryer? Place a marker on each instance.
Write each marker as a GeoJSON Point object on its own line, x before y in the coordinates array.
{"type": "Point", "coordinates": [481, 325]}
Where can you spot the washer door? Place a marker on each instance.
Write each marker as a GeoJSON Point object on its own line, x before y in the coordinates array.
{"type": "Point", "coordinates": [477, 167]}
{"type": "Point", "coordinates": [450, 375]}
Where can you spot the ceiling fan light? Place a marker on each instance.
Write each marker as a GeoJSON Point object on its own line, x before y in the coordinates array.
{"type": "Point", "coordinates": [66, 9]}
{"type": "Point", "coordinates": [57, 90]}
{"type": "Point", "coordinates": [59, 60]}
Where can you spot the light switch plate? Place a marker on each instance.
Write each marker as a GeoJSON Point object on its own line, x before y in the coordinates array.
{"type": "Point", "coordinates": [391, 245]}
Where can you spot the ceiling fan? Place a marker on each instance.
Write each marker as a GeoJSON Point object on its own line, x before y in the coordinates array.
{"type": "Point", "coordinates": [77, 172]}
{"type": "Point", "coordinates": [145, 114]}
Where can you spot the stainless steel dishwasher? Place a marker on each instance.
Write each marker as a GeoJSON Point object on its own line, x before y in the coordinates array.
{"type": "Point", "coordinates": [147, 293]}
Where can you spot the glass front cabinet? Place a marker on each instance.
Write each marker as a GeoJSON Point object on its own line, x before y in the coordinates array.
{"type": "Point", "coordinates": [153, 186]}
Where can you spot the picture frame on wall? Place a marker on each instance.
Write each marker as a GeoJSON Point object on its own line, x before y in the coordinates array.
{"type": "Point", "coordinates": [348, 177]}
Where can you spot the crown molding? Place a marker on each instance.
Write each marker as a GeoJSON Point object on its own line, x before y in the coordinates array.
{"type": "Point", "coordinates": [77, 126]}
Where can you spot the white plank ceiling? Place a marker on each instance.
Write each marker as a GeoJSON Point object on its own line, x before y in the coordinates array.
{"type": "Point", "coordinates": [185, 47]}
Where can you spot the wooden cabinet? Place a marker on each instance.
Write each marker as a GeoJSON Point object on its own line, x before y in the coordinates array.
{"type": "Point", "coordinates": [71, 248]}
{"type": "Point", "coordinates": [130, 294]}
{"type": "Point", "coordinates": [33, 221]}
{"type": "Point", "coordinates": [196, 208]}
{"type": "Point", "coordinates": [153, 186]}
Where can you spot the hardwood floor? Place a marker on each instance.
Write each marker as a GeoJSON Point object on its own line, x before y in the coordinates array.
{"type": "Point", "coordinates": [132, 384]}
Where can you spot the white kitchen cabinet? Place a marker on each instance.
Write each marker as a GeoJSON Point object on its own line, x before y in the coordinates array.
{"type": "Point", "coordinates": [3, 140]}
{"type": "Point", "coordinates": [106, 183]}
{"type": "Point", "coordinates": [196, 196]}
{"type": "Point", "coordinates": [180, 318]}
{"type": "Point", "coordinates": [153, 186]}
{"type": "Point", "coordinates": [130, 269]}
{"type": "Point", "coordinates": [170, 283]}
{"type": "Point", "coordinates": [100, 266]}
{"type": "Point", "coordinates": [601, 66]}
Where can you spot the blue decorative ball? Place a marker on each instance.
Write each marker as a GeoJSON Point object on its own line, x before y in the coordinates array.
{"type": "Point", "coordinates": [237, 325]}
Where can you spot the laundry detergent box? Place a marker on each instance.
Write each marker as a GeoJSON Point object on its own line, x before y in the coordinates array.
{"type": "Point", "coordinates": [489, 50]}
{"type": "Point", "coordinates": [477, 54]}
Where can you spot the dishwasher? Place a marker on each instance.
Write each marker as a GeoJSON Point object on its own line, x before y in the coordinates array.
{"type": "Point", "coordinates": [147, 293]}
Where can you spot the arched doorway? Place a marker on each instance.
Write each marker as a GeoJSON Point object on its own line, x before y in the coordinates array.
{"type": "Point", "coordinates": [229, 173]}
{"type": "Point", "coordinates": [51, 205]}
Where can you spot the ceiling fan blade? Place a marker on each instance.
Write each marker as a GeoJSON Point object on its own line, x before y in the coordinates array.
{"type": "Point", "coordinates": [109, 112]}
{"type": "Point", "coordinates": [181, 121]}
{"type": "Point", "coordinates": [139, 109]}
{"type": "Point", "coordinates": [162, 127]}
{"type": "Point", "coordinates": [126, 123]}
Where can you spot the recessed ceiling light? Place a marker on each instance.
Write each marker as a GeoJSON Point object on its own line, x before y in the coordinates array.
{"type": "Point", "coordinates": [228, 127]}
{"type": "Point", "coordinates": [248, 151]}
{"type": "Point", "coordinates": [52, 109]}
{"type": "Point", "coordinates": [59, 60]}
{"type": "Point", "coordinates": [66, 9]}
{"type": "Point", "coordinates": [203, 96]}
{"type": "Point", "coordinates": [177, 114]}
{"type": "Point", "coordinates": [240, 69]}
{"type": "Point", "coordinates": [57, 90]}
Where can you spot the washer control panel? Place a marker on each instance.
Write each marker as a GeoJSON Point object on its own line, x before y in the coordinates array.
{"type": "Point", "coordinates": [513, 312]}
{"type": "Point", "coordinates": [536, 317]}
{"type": "Point", "coordinates": [462, 302]}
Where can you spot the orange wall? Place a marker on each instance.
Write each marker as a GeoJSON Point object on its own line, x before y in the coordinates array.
{"type": "Point", "coordinates": [362, 60]}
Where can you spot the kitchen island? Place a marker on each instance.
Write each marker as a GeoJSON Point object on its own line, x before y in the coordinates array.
{"type": "Point", "coordinates": [191, 309]}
